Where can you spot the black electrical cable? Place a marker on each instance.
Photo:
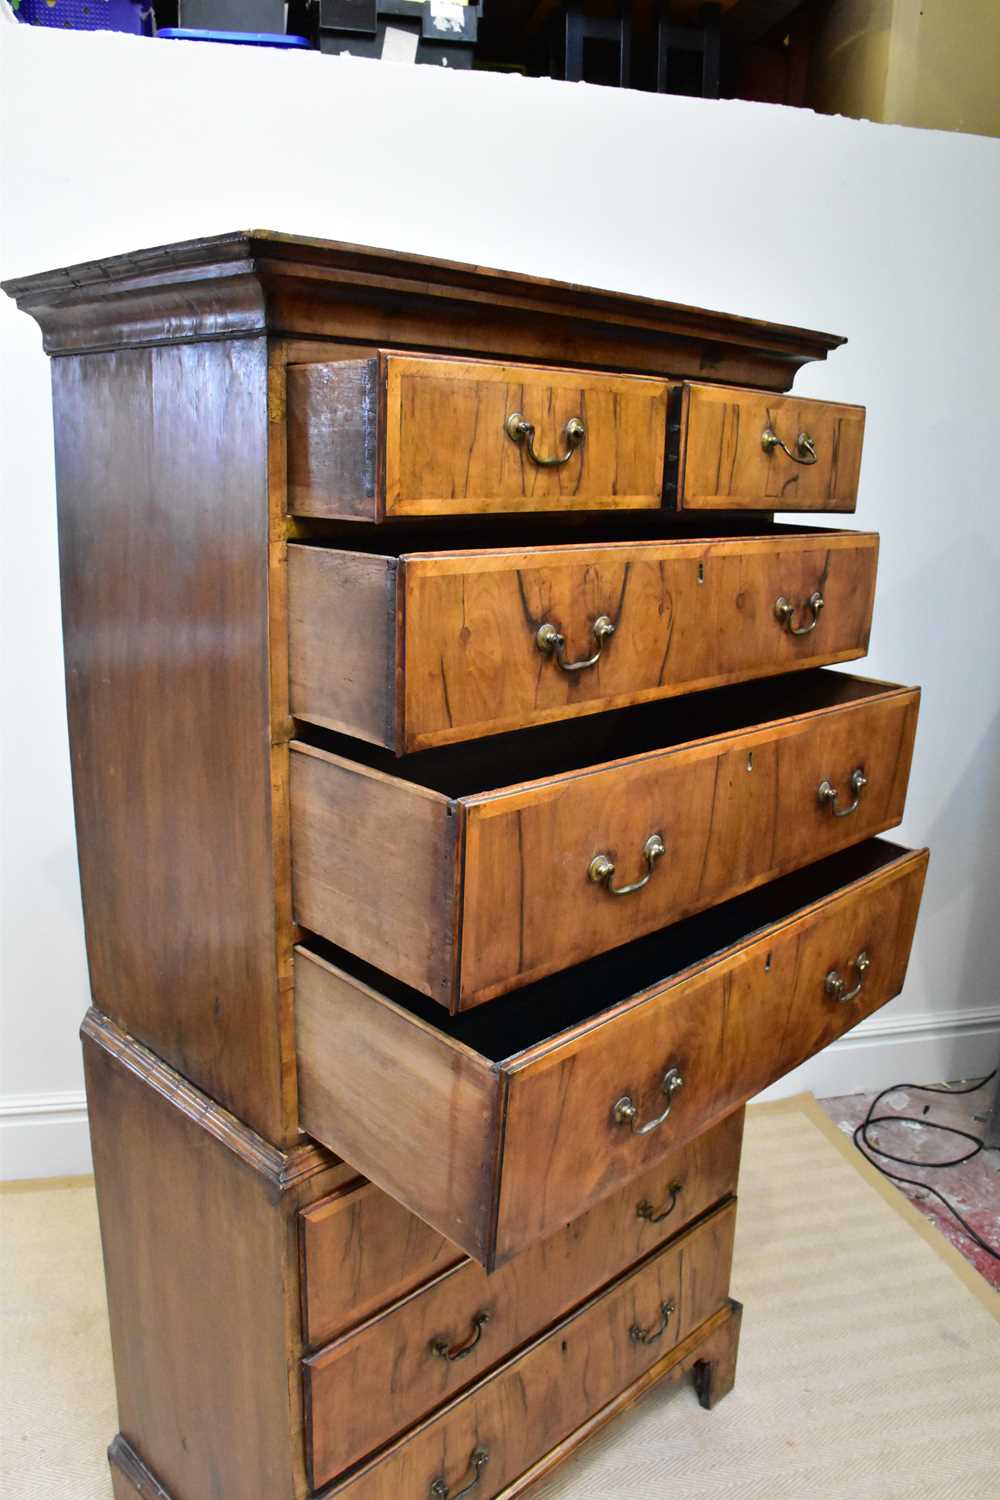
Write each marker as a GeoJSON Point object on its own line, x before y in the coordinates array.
{"type": "Point", "coordinates": [861, 1141]}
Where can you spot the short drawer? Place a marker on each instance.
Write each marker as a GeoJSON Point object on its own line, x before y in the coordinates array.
{"type": "Point", "coordinates": [400, 435]}
{"type": "Point", "coordinates": [388, 1373]}
{"type": "Point", "coordinates": [470, 872]}
{"type": "Point", "coordinates": [737, 449]}
{"type": "Point", "coordinates": [360, 1251]}
{"type": "Point", "coordinates": [513, 1417]}
{"type": "Point", "coordinates": [500, 1126]}
{"type": "Point", "coordinates": [426, 649]}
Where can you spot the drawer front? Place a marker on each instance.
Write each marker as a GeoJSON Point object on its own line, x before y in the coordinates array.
{"type": "Point", "coordinates": [387, 1374]}
{"type": "Point", "coordinates": [531, 1403]}
{"type": "Point", "coordinates": [410, 436]}
{"type": "Point", "coordinates": [753, 449]}
{"type": "Point", "coordinates": [730, 813]}
{"type": "Point", "coordinates": [583, 1106]}
{"type": "Point", "coordinates": [467, 899]}
{"type": "Point", "coordinates": [463, 1133]}
{"type": "Point", "coordinates": [437, 649]}
{"type": "Point", "coordinates": [686, 615]}
{"type": "Point", "coordinates": [362, 1250]}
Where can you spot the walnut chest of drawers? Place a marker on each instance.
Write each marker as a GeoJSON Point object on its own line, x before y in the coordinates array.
{"type": "Point", "coordinates": [469, 824]}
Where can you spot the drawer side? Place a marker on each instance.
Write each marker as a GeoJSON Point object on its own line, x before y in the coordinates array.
{"type": "Point", "coordinates": [332, 416]}
{"type": "Point", "coordinates": [342, 633]}
{"type": "Point", "coordinates": [413, 1111]}
{"type": "Point", "coordinates": [374, 867]}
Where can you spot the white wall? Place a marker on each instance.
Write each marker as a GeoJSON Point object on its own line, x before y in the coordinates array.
{"type": "Point", "coordinates": [886, 234]}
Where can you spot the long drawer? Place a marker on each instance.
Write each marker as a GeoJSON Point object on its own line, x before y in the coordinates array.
{"type": "Point", "coordinates": [421, 649]}
{"type": "Point", "coordinates": [500, 1126]}
{"type": "Point", "coordinates": [383, 1376]}
{"type": "Point", "coordinates": [400, 436]}
{"type": "Point", "coordinates": [471, 872]}
{"type": "Point", "coordinates": [512, 1418]}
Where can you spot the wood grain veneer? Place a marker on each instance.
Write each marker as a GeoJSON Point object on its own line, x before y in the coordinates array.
{"type": "Point", "coordinates": [361, 1252]}
{"type": "Point", "coordinates": [544, 1394]}
{"type": "Point", "coordinates": [723, 465]}
{"type": "Point", "coordinates": [415, 436]}
{"type": "Point", "coordinates": [708, 1355]}
{"type": "Point", "coordinates": [384, 1376]}
{"type": "Point", "coordinates": [436, 648]}
{"type": "Point", "coordinates": [469, 894]}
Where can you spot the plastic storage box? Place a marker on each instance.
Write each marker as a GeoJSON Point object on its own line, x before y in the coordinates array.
{"type": "Point", "coordinates": [134, 16]}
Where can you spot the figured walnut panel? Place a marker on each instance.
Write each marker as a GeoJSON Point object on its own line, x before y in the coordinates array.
{"type": "Point", "coordinates": [724, 465]}
{"type": "Point", "coordinates": [419, 1112]}
{"type": "Point", "coordinates": [733, 811]}
{"type": "Point", "coordinates": [554, 1387]}
{"type": "Point", "coordinates": [361, 1251]}
{"type": "Point", "coordinates": [448, 453]}
{"type": "Point", "coordinates": [383, 1377]}
{"type": "Point", "coordinates": [731, 1032]}
{"type": "Point", "coordinates": [687, 615]}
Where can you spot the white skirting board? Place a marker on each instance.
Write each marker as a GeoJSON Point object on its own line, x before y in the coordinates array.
{"type": "Point", "coordinates": [900, 1049]}
{"type": "Point", "coordinates": [45, 1135]}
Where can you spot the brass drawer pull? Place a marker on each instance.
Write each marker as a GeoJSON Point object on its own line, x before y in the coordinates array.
{"type": "Point", "coordinates": [836, 987]}
{"type": "Point", "coordinates": [442, 1349]}
{"type": "Point", "coordinates": [645, 1209]}
{"type": "Point", "coordinates": [439, 1488]}
{"type": "Point", "coordinates": [650, 1335]}
{"type": "Point", "coordinates": [601, 868]}
{"type": "Point", "coordinates": [626, 1113]}
{"type": "Point", "coordinates": [549, 641]}
{"type": "Point", "coordinates": [785, 612]}
{"type": "Point", "coordinates": [805, 448]}
{"type": "Point", "coordinates": [520, 430]}
{"type": "Point", "coordinates": [827, 793]}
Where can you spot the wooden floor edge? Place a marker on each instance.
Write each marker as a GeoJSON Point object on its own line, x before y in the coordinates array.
{"type": "Point", "coordinates": [128, 1468]}
{"type": "Point", "coordinates": [673, 1366]}
{"type": "Point", "coordinates": [789, 1106]}
{"type": "Point", "coordinates": [46, 1184]}
{"type": "Point", "coordinates": [898, 1201]}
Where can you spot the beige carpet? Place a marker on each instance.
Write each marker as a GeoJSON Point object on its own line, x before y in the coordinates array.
{"type": "Point", "coordinates": [869, 1365]}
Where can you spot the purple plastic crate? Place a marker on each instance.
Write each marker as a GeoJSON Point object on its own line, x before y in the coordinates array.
{"type": "Point", "coordinates": [134, 16]}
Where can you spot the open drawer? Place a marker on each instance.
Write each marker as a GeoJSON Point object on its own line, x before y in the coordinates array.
{"type": "Point", "coordinates": [500, 1126]}
{"type": "Point", "coordinates": [416, 649]}
{"type": "Point", "coordinates": [396, 436]}
{"type": "Point", "coordinates": [470, 871]}
{"type": "Point", "coordinates": [737, 449]}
